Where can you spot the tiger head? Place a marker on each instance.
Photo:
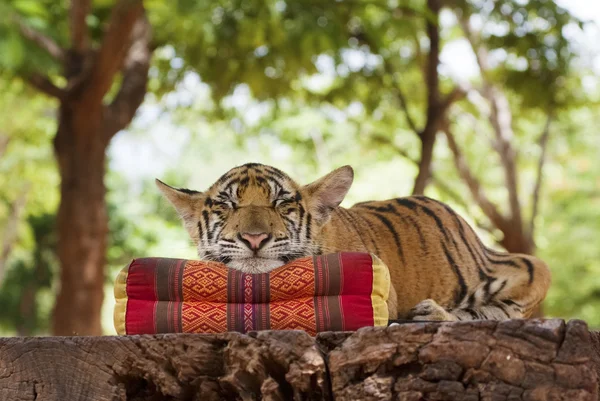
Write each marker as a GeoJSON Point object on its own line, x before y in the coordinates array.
{"type": "Point", "coordinates": [255, 218]}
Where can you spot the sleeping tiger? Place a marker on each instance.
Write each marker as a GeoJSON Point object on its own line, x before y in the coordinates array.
{"type": "Point", "coordinates": [255, 218]}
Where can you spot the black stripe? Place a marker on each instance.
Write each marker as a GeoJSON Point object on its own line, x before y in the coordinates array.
{"type": "Point", "coordinates": [414, 205]}
{"type": "Point", "coordinates": [187, 191]}
{"type": "Point", "coordinates": [502, 306]}
{"type": "Point", "coordinates": [383, 209]}
{"type": "Point", "coordinates": [439, 223]}
{"type": "Point", "coordinates": [492, 295]}
{"type": "Point", "coordinates": [230, 184]}
{"type": "Point", "coordinates": [291, 222]}
{"type": "Point", "coordinates": [346, 215]}
{"type": "Point", "coordinates": [226, 177]}
{"type": "Point", "coordinates": [200, 230]}
{"type": "Point", "coordinates": [308, 226]}
{"type": "Point", "coordinates": [512, 303]}
{"type": "Point", "coordinates": [505, 262]}
{"type": "Point", "coordinates": [207, 227]}
{"type": "Point", "coordinates": [276, 172]}
{"type": "Point", "coordinates": [372, 229]}
{"type": "Point", "coordinates": [390, 227]}
{"type": "Point", "coordinates": [529, 269]}
{"type": "Point", "coordinates": [416, 225]}
{"type": "Point", "coordinates": [458, 297]}
{"type": "Point", "coordinates": [407, 203]}
{"type": "Point", "coordinates": [462, 234]}
{"type": "Point", "coordinates": [471, 301]}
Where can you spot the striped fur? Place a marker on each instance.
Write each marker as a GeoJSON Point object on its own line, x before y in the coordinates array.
{"type": "Point", "coordinates": [440, 269]}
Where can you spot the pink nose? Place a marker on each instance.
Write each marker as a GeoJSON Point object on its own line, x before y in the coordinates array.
{"type": "Point", "coordinates": [255, 240]}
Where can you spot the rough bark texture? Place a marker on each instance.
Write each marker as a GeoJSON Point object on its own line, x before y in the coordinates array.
{"type": "Point", "coordinates": [80, 147]}
{"type": "Point", "coordinates": [513, 360]}
{"type": "Point", "coordinates": [86, 126]}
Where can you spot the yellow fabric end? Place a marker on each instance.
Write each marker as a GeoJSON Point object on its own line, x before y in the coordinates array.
{"type": "Point", "coordinates": [120, 291]}
{"type": "Point", "coordinates": [380, 292]}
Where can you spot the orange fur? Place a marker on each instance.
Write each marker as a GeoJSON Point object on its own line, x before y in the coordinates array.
{"type": "Point", "coordinates": [439, 268]}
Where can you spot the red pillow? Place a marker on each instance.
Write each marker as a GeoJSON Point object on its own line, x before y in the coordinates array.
{"type": "Point", "coordinates": [343, 291]}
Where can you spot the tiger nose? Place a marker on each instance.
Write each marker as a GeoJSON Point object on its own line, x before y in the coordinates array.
{"type": "Point", "coordinates": [255, 241]}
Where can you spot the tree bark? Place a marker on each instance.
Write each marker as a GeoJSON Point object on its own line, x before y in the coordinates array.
{"type": "Point", "coordinates": [86, 126]}
{"type": "Point", "coordinates": [428, 137]}
{"type": "Point", "coordinates": [434, 117]}
{"type": "Point", "coordinates": [511, 360]}
{"type": "Point", "coordinates": [464, 361]}
{"type": "Point", "coordinates": [80, 147]}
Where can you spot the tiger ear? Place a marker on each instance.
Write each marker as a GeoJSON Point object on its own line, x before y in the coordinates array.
{"type": "Point", "coordinates": [185, 201]}
{"type": "Point", "coordinates": [329, 191]}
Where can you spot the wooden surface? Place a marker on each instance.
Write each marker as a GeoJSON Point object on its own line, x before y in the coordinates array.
{"type": "Point", "coordinates": [513, 360]}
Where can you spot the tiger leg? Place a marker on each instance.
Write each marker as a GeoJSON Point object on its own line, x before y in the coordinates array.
{"type": "Point", "coordinates": [431, 310]}
{"type": "Point", "coordinates": [512, 293]}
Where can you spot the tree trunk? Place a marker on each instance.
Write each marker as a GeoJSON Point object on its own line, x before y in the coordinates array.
{"type": "Point", "coordinates": [80, 147]}
{"type": "Point", "coordinates": [427, 143]}
{"type": "Point", "coordinates": [86, 126]}
{"type": "Point", "coordinates": [434, 111]}
{"type": "Point", "coordinates": [464, 361]}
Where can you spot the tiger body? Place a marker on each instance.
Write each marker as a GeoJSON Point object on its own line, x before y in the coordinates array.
{"type": "Point", "coordinates": [255, 218]}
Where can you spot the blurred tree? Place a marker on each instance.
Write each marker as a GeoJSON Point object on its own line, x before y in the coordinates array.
{"type": "Point", "coordinates": [27, 178]}
{"type": "Point", "coordinates": [378, 64]}
{"type": "Point", "coordinates": [539, 84]}
{"type": "Point", "coordinates": [30, 275]}
{"type": "Point", "coordinates": [87, 53]}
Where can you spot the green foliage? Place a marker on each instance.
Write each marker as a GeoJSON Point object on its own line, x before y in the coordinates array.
{"type": "Point", "coordinates": [570, 227]}
{"type": "Point", "coordinates": [29, 280]}
{"type": "Point", "coordinates": [307, 86]}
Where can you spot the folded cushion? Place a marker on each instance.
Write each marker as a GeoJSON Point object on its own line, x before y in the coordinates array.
{"type": "Point", "coordinates": [342, 291]}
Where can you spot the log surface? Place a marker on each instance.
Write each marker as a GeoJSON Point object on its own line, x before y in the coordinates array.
{"type": "Point", "coordinates": [512, 360]}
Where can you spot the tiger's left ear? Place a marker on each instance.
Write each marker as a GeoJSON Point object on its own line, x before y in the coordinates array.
{"type": "Point", "coordinates": [185, 201]}
{"type": "Point", "coordinates": [328, 192]}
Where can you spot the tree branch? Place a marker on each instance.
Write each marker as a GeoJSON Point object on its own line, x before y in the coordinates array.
{"type": "Point", "coordinates": [78, 13]}
{"type": "Point", "coordinates": [43, 84]}
{"type": "Point", "coordinates": [434, 114]}
{"type": "Point", "coordinates": [135, 78]}
{"type": "Point", "coordinates": [404, 105]}
{"type": "Point", "coordinates": [389, 69]}
{"type": "Point", "coordinates": [488, 208]}
{"type": "Point", "coordinates": [42, 41]}
{"type": "Point", "coordinates": [454, 96]}
{"type": "Point", "coordinates": [543, 142]}
{"type": "Point", "coordinates": [445, 188]}
{"type": "Point", "coordinates": [500, 118]}
{"type": "Point", "coordinates": [114, 48]}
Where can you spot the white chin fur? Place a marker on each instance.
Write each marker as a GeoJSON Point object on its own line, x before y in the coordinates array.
{"type": "Point", "coordinates": [255, 265]}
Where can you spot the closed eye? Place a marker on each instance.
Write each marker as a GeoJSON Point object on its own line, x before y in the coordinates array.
{"type": "Point", "coordinates": [280, 202]}
{"type": "Point", "coordinates": [226, 204]}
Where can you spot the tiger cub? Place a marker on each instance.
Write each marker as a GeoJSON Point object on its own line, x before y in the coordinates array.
{"type": "Point", "coordinates": [255, 218]}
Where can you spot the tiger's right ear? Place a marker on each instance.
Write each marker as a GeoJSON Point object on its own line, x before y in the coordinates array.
{"type": "Point", "coordinates": [185, 201]}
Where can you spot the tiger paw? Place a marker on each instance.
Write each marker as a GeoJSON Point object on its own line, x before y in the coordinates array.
{"type": "Point", "coordinates": [429, 310]}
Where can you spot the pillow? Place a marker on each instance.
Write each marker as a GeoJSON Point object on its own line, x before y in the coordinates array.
{"type": "Point", "coordinates": [341, 291]}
